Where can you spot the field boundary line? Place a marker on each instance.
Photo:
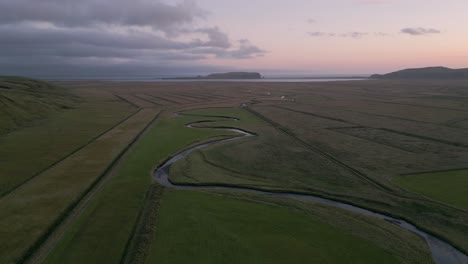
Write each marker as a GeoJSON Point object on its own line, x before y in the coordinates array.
{"type": "Point", "coordinates": [316, 115]}
{"type": "Point", "coordinates": [164, 99]}
{"type": "Point", "coordinates": [451, 143]}
{"type": "Point", "coordinates": [146, 100]}
{"type": "Point", "coordinates": [194, 97]}
{"type": "Point", "coordinates": [309, 146]}
{"type": "Point", "coordinates": [433, 171]}
{"type": "Point", "coordinates": [127, 101]}
{"type": "Point", "coordinates": [138, 244]}
{"type": "Point", "coordinates": [456, 144]}
{"type": "Point", "coordinates": [422, 106]}
{"type": "Point", "coordinates": [363, 176]}
{"type": "Point", "coordinates": [68, 155]}
{"type": "Point", "coordinates": [180, 97]}
{"type": "Point", "coordinates": [45, 244]}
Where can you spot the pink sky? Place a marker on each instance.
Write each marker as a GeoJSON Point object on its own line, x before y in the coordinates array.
{"type": "Point", "coordinates": [179, 37]}
{"type": "Point", "coordinates": [316, 36]}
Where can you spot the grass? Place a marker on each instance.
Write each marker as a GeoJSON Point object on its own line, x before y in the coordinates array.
{"type": "Point", "coordinates": [94, 238]}
{"type": "Point", "coordinates": [262, 164]}
{"type": "Point", "coordinates": [53, 139]}
{"type": "Point", "coordinates": [276, 161]}
{"type": "Point", "coordinates": [29, 213]}
{"type": "Point", "coordinates": [199, 227]}
{"type": "Point", "coordinates": [24, 100]}
{"type": "Point", "coordinates": [245, 118]}
{"type": "Point", "coordinates": [446, 186]}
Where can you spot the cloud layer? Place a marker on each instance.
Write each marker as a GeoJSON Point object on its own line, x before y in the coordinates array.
{"type": "Point", "coordinates": [352, 34]}
{"type": "Point", "coordinates": [111, 33]}
{"type": "Point", "coordinates": [420, 31]}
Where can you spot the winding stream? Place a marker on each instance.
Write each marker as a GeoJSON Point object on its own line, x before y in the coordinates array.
{"type": "Point", "coordinates": [442, 252]}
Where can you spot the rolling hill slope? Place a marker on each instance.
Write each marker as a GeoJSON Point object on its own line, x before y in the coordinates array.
{"type": "Point", "coordinates": [24, 100]}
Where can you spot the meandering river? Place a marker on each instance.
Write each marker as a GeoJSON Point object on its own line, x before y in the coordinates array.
{"type": "Point", "coordinates": [442, 252]}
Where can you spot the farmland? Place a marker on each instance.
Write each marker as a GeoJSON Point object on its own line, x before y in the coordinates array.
{"type": "Point", "coordinates": [447, 186]}
{"type": "Point", "coordinates": [87, 194]}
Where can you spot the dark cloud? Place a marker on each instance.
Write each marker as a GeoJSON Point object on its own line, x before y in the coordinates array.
{"type": "Point", "coordinates": [216, 37]}
{"type": "Point", "coordinates": [106, 33]}
{"type": "Point", "coordinates": [420, 31]}
{"type": "Point", "coordinates": [88, 13]}
{"type": "Point", "coordinates": [353, 34]}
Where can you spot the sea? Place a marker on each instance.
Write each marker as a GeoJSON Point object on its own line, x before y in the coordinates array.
{"type": "Point", "coordinates": [172, 79]}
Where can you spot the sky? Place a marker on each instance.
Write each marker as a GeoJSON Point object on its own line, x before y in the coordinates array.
{"type": "Point", "coordinates": [111, 38]}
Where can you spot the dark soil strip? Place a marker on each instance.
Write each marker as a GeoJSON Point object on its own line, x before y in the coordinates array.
{"type": "Point", "coordinates": [138, 246]}
{"type": "Point", "coordinates": [426, 138]}
{"type": "Point", "coordinates": [433, 171]}
{"type": "Point", "coordinates": [146, 100]}
{"type": "Point", "coordinates": [183, 98]}
{"type": "Point", "coordinates": [127, 101]}
{"type": "Point", "coordinates": [68, 211]}
{"type": "Point", "coordinates": [206, 97]}
{"type": "Point", "coordinates": [191, 97]}
{"type": "Point", "coordinates": [66, 156]}
{"type": "Point", "coordinates": [219, 97]}
{"type": "Point", "coordinates": [424, 106]}
{"type": "Point", "coordinates": [316, 115]}
{"type": "Point", "coordinates": [399, 118]}
{"type": "Point", "coordinates": [164, 99]}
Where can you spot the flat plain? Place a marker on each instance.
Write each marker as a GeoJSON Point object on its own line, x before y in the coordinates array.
{"type": "Point", "coordinates": [77, 180]}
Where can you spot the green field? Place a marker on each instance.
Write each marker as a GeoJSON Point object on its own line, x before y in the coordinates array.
{"type": "Point", "coordinates": [262, 163]}
{"type": "Point", "coordinates": [116, 207]}
{"type": "Point", "coordinates": [54, 139]}
{"type": "Point", "coordinates": [24, 101]}
{"type": "Point", "coordinates": [33, 209]}
{"type": "Point", "coordinates": [215, 228]}
{"type": "Point", "coordinates": [278, 161]}
{"type": "Point", "coordinates": [446, 186]}
{"type": "Point", "coordinates": [76, 180]}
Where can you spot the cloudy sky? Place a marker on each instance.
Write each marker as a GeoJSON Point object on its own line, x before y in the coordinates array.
{"type": "Point", "coordinates": [161, 37]}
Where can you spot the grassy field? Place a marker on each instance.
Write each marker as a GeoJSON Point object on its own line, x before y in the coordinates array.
{"type": "Point", "coordinates": [291, 165]}
{"type": "Point", "coordinates": [261, 163]}
{"type": "Point", "coordinates": [347, 141]}
{"type": "Point", "coordinates": [53, 139]}
{"type": "Point", "coordinates": [214, 228]}
{"type": "Point", "coordinates": [24, 101]}
{"type": "Point", "coordinates": [93, 238]}
{"type": "Point", "coordinates": [447, 186]}
{"type": "Point", "coordinates": [33, 209]}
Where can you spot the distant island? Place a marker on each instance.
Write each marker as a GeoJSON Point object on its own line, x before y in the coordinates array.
{"type": "Point", "coordinates": [221, 76]}
{"type": "Point", "coordinates": [425, 73]}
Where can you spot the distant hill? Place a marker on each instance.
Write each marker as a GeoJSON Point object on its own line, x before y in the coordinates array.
{"type": "Point", "coordinates": [425, 73]}
{"type": "Point", "coordinates": [23, 100]}
{"type": "Point", "coordinates": [235, 75]}
{"type": "Point", "coordinates": [221, 76]}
